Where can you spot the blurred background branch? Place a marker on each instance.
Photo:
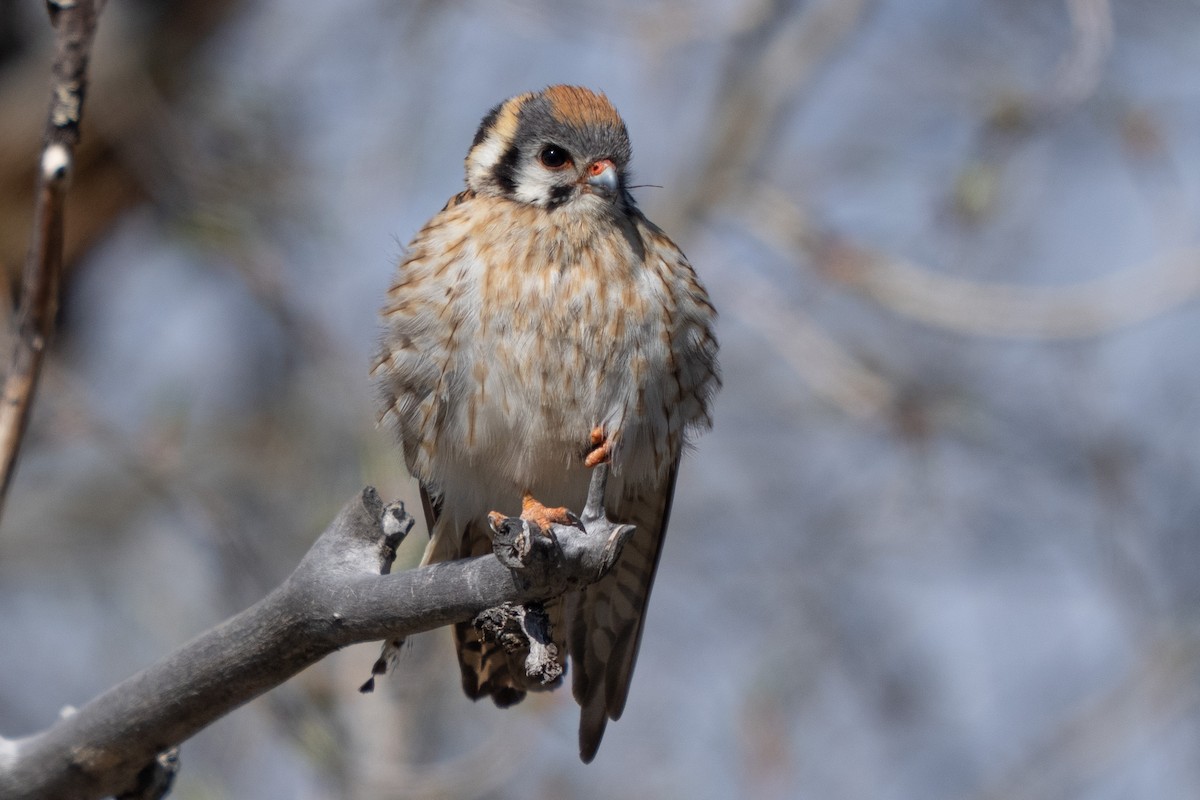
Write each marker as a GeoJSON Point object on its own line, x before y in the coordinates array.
{"type": "Point", "coordinates": [1090, 308]}
{"type": "Point", "coordinates": [75, 24]}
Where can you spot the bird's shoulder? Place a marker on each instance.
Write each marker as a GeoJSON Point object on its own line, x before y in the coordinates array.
{"type": "Point", "coordinates": [457, 200]}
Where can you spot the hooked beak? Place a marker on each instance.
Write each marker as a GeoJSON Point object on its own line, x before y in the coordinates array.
{"type": "Point", "coordinates": [602, 178]}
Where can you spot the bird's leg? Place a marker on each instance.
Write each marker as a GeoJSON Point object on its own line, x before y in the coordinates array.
{"type": "Point", "coordinates": [601, 449]}
{"type": "Point", "coordinates": [543, 517]}
{"type": "Point", "coordinates": [532, 510]}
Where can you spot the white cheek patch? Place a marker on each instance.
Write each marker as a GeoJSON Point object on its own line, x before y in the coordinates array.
{"type": "Point", "coordinates": [488, 152]}
{"type": "Point", "coordinates": [484, 158]}
{"type": "Point", "coordinates": [534, 185]}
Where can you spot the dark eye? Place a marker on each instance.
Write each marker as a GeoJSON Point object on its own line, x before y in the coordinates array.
{"type": "Point", "coordinates": [554, 157]}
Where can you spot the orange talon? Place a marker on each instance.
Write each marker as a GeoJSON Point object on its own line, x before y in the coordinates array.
{"type": "Point", "coordinates": [543, 517]}
{"type": "Point", "coordinates": [601, 449]}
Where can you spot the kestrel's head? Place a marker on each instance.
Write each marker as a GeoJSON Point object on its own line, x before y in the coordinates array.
{"type": "Point", "coordinates": [564, 146]}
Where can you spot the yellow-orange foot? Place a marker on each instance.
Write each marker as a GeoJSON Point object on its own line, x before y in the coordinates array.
{"type": "Point", "coordinates": [543, 517]}
{"type": "Point", "coordinates": [601, 449]}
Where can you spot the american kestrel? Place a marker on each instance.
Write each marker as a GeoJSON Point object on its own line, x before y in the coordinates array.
{"type": "Point", "coordinates": [539, 325]}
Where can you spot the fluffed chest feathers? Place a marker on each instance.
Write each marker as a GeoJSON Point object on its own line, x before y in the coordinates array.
{"type": "Point", "coordinates": [573, 344]}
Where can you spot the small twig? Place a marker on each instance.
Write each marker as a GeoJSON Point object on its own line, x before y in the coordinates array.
{"type": "Point", "coordinates": [593, 507]}
{"type": "Point", "coordinates": [75, 23]}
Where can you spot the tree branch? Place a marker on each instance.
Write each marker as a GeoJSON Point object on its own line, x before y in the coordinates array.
{"type": "Point", "coordinates": [75, 21]}
{"type": "Point", "coordinates": [340, 594]}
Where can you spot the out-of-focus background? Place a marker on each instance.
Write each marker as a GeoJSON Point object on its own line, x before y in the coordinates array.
{"type": "Point", "coordinates": [944, 541]}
